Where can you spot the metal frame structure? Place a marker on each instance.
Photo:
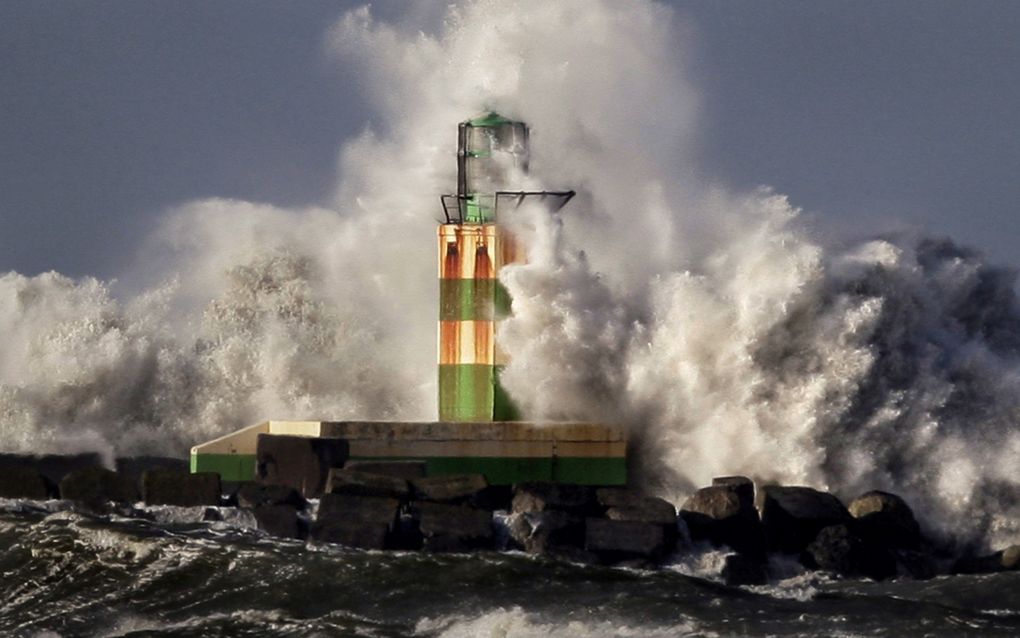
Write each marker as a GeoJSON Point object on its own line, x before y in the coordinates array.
{"type": "Point", "coordinates": [459, 203]}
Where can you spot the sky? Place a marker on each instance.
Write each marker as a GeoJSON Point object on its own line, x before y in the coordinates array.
{"type": "Point", "coordinates": [873, 116]}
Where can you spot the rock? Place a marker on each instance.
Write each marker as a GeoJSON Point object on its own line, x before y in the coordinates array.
{"type": "Point", "coordinates": [837, 549]}
{"type": "Point", "coordinates": [723, 515]}
{"type": "Point", "coordinates": [171, 487]}
{"type": "Point", "coordinates": [743, 570]}
{"type": "Point", "coordinates": [408, 470]}
{"type": "Point", "coordinates": [344, 481]}
{"type": "Point", "coordinates": [23, 482]}
{"type": "Point", "coordinates": [97, 485]}
{"type": "Point", "coordinates": [541, 496]}
{"type": "Point", "coordinates": [548, 532]}
{"type": "Point", "coordinates": [885, 519]}
{"type": "Point", "coordinates": [278, 520]}
{"type": "Point", "coordinates": [454, 528]}
{"type": "Point", "coordinates": [793, 516]}
{"type": "Point", "coordinates": [252, 495]}
{"type": "Point", "coordinates": [1004, 560]}
{"type": "Point", "coordinates": [615, 541]}
{"type": "Point", "coordinates": [456, 488]}
{"type": "Point", "coordinates": [367, 522]}
{"type": "Point", "coordinates": [301, 462]}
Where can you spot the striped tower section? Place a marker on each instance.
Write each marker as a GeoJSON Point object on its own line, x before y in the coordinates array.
{"type": "Point", "coordinates": [471, 302]}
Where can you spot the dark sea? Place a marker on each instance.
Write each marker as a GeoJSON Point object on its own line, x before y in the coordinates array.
{"type": "Point", "coordinates": [164, 572]}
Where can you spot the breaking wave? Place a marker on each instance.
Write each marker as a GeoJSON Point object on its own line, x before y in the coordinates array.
{"type": "Point", "coordinates": [709, 323]}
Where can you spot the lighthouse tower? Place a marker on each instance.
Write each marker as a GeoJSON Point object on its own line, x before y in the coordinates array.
{"type": "Point", "coordinates": [479, 430]}
{"type": "Point", "coordinates": [492, 159]}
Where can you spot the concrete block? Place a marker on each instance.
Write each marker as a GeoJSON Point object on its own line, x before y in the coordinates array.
{"type": "Point", "coordinates": [793, 516]}
{"type": "Point", "coordinates": [23, 482]}
{"type": "Point", "coordinates": [170, 487]}
{"type": "Point", "coordinates": [541, 496]}
{"type": "Point", "coordinates": [298, 461]}
{"type": "Point", "coordinates": [454, 528]}
{"type": "Point", "coordinates": [278, 520]}
{"type": "Point", "coordinates": [366, 522]}
{"type": "Point", "coordinates": [456, 488]}
{"type": "Point", "coordinates": [724, 515]}
{"type": "Point", "coordinates": [547, 532]}
{"type": "Point", "coordinates": [616, 541]}
{"type": "Point", "coordinates": [885, 519]}
{"type": "Point", "coordinates": [408, 470]}
{"type": "Point", "coordinates": [252, 495]}
{"type": "Point", "coordinates": [53, 467]}
{"type": "Point", "coordinates": [345, 481]}
{"type": "Point", "coordinates": [742, 486]}
{"type": "Point", "coordinates": [837, 549]}
{"type": "Point", "coordinates": [133, 467]}
{"type": "Point", "coordinates": [97, 485]}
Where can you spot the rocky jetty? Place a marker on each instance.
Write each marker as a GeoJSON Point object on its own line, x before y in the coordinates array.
{"type": "Point", "coordinates": [393, 505]}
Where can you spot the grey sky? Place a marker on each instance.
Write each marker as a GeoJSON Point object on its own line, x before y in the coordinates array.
{"type": "Point", "coordinates": [870, 115]}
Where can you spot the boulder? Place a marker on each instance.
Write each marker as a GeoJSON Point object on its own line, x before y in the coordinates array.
{"type": "Point", "coordinates": [542, 496]}
{"type": "Point", "coordinates": [23, 482]}
{"type": "Point", "coordinates": [724, 515]}
{"type": "Point", "coordinates": [366, 522]}
{"type": "Point", "coordinates": [793, 516]}
{"type": "Point", "coordinates": [885, 519]}
{"type": "Point", "coordinates": [301, 462]}
{"type": "Point", "coordinates": [345, 481]}
{"type": "Point", "coordinates": [455, 488]}
{"type": "Point", "coordinates": [837, 549]}
{"type": "Point", "coordinates": [616, 541]}
{"type": "Point", "coordinates": [549, 532]}
{"type": "Point", "coordinates": [252, 495]}
{"type": "Point", "coordinates": [171, 487]}
{"type": "Point", "coordinates": [743, 570]}
{"type": "Point", "coordinates": [454, 528]}
{"type": "Point", "coordinates": [408, 470]}
{"type": "Point", "coordinates": [97, 485]}
{"type": "Point", "coordinates": [278, 520]}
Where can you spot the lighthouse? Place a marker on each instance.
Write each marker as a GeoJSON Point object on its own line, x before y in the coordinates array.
{"type": "Point", "coordinates": [474, 244]}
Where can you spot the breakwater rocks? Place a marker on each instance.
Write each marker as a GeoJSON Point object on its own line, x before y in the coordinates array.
{"type": "Point", "coordinates": [392, 505]}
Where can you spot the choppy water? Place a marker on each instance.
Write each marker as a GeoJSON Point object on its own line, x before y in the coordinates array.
{"type": "Point", "coordinates": [68, 574]}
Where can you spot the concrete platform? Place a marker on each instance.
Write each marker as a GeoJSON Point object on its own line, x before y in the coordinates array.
{"type": "Point", "coordinates": [505, 452]}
